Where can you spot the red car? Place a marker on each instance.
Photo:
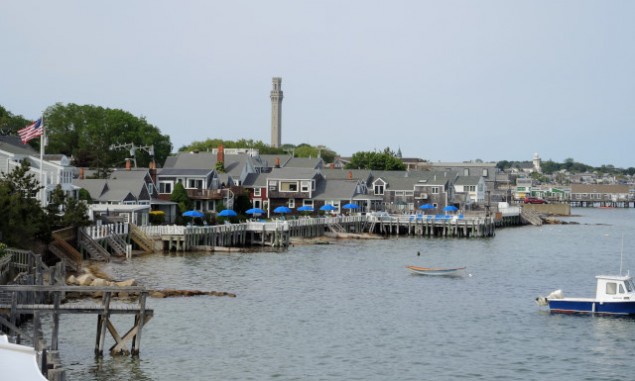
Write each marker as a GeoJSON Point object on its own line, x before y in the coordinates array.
{"type": "Point", "coordinates": [535, 200]}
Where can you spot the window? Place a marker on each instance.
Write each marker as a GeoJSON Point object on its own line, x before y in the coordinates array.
{"type": "Point", "coordinates": [257, 192]}
{"type": "Point", "coordinates": [434, 190]}
{"type": "Point", "coordinates": [195, 183]}
{"type": "Point", "coordinates": [288, 186]}
{"type": "Point", "coordinates": [165, 187]}
{"type": "Point", "coordinates": [305, 186]}
{"type": "Point", "coordinates": [611, 288]}
{"type": "Point", "coordinates": [621, 289]}
{"type": "Point", "coordinates": [379, 189]}
{"type": "Point", "coordinates": [292, 203]}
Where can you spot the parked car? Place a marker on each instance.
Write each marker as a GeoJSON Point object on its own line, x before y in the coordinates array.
{"type": "Point", "coordinates": [535, 200]}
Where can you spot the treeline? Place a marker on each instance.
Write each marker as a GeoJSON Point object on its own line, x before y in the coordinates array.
{"type": "Point", "coordinates": [550, 167]}
{"type": "Point", "coordinates": [300, 150]}
{"type": "Point", "coordinates": [90, 135]}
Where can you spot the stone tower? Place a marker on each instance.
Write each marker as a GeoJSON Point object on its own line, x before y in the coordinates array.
{"type": "Point", "coordinates": [276, 113]}
{"type": "Point", "coordinates": [536, 161]}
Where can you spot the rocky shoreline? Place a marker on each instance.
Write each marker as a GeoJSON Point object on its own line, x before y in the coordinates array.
{"type": "Point", "coordinates": [92, 276]}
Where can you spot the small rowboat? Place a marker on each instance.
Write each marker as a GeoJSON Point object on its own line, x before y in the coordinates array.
{"type": "Point", "coordinates": [437, 270]}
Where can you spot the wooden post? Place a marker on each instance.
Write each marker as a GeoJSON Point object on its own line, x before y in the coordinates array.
{"type": "Point", "coordinates": [56, 320]}
{"type": "Point", "coordinates": [103, 322]}
{"type": "Point", "coordinates": [136, 341]}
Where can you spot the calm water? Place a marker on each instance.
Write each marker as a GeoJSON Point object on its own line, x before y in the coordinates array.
{"type": "Point", "coordinates": [351, 311]}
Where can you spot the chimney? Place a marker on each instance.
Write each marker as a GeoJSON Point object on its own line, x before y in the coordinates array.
{"type": "Point", "coordinates": [277, 163]}
{"type": "Point", "coordinates": [128, 166]}
{"type": "Point", "coordinates": [220, 156]}
{"type": "Point", "coordinates": [349, 175]}
{"type": "Point", "coordinates": [153, 170]}
{"type": "Point", "coordinates": [81, 173]}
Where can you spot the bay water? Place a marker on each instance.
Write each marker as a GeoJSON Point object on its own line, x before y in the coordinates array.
{"type": "Point", "coordinates": [350, 310]}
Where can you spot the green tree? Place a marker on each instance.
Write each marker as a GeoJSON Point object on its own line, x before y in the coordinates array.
{"type": "Point", "coordinates": [23, 220]}
{"type": "Point", "coordinates": [385, 160]}
{"type": "Point", "coordinates": [179, 195]}
{"type": "Point", "coordinates": [88, 133]}
{"type": "Point", "coordinates": [75, 213]}
{"type": "Point", "coordinates": [10, 124]}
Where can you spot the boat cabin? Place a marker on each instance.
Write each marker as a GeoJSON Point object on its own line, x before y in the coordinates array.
{"type": "Point", "coordinates": [614, 287]}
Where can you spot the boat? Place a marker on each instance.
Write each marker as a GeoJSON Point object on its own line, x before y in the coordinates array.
{"type": "Point", "coordinates": [614, 295]}
{"type": "Point", "coordinates": [18, 362]}
{"type": "Point", "coordinates": [450, 271]}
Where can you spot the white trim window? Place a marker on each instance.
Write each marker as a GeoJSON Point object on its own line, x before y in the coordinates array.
{"type": "Point", "coordinates": [257, 192]}
{"type": "Point", "coordinates": [166, 187]}
{"type": "Point", "coordinates": [288, 186]}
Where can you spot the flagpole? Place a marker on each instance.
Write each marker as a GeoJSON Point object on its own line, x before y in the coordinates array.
{"type": "Point", "coordinates": [42, 139]}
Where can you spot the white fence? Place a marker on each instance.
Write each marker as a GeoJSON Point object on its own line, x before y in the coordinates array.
{"type": "Point", "coordinates": [105, 230]}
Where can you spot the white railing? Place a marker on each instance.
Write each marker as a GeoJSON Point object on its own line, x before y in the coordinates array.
{"type": "Point", "coordinates": [105, 230]}
{"type": "Point", "coordinates": [159, 230]}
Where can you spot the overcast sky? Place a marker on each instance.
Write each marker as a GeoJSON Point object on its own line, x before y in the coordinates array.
{"type": "Point", "coordinates": [439, 80]}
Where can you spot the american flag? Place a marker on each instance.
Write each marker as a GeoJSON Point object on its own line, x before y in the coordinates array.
{"type": "Point", "coordinates": [31, 131]}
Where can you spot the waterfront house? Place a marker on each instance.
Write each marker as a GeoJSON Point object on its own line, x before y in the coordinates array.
{"type": "Point", "coordinates": [470, 189]}
{"type": "Point", "coordinates": [133, 188]}
{"type": "Point", "coordinates": [406, 191]}
{"type": "Point", "coordinates": [52, 171]}
{"type": "Point", "coordinates": [291, 186]}
{"type": "Point", "coordinates": [600, 193]}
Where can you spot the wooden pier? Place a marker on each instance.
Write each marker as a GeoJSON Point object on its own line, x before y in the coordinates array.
{"type": "Point", "coordinates": [432, 226]}
{"type": "Point", "coordinates": [278, 233]}
{"type": "Point", "coordinates": [36, 299]}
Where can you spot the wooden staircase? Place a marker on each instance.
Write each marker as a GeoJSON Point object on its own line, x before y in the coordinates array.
{"type": "Point", "coordinates": [62, 249]}
{"type": "Point", "coordinates": [141, 239]}
{"type": "Point", "coordinates": [94, 249]}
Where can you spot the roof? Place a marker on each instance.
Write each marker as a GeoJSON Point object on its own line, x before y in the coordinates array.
{"type": "Point", "coordinates": [14, 145]}
{"type": "Point", "coordinates": [292, 173]}
{"type": "Point", "coordinates": [180, 172]}
{"type": "Point", "coordinates": [335, 190]}
{"type": "Point", "coordinates": [467, 180]}
{"type": "Point", "coordinates": [343, 174]}
{"type": "Point", "coordinates": [304, 162]}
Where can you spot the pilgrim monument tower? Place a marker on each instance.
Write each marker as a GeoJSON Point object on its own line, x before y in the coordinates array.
{"type": "Point", "coordinates": [276, 113]}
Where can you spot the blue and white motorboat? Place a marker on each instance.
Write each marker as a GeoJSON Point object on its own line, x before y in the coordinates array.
{"type": "Point", "coordinates": [614, 295]}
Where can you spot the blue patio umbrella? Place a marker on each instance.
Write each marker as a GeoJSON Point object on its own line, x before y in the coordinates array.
{"type": "Point", "coordinates": [227, 213]}
{"type": "Point", "coordinates": [426, 206]}
{"type": "Point", "coordinates": [193, 213]}
{"type": "Point", "coordinates": [350, 206]}
{"type": "Point", "coordinates": [328, 208]}
{"type": "Point", "coordinates": [305, 208]}
{"type": "Point", "coordinates": [450, 208]}
{"type": "Point", "coordinates": [255, 211]}
{"type": "Point", "coordinates": [282, 209]}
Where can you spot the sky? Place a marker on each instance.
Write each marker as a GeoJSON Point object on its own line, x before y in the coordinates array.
{"type": "Point", "coordinates": [438, 80]}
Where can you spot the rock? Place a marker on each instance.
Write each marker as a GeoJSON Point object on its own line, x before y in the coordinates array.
{"type": "Point", "coordinates": [98, 282]}
{"type": "Point", "coordinates": [157, 294]}
{"type": "Point", "coordinates": [126, 283]}
{"type": "Point", "coordinates": [85, 279]}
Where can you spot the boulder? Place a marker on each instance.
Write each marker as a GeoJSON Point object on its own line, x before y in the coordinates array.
{"type": "Point", "coordinates": [85, 279]}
